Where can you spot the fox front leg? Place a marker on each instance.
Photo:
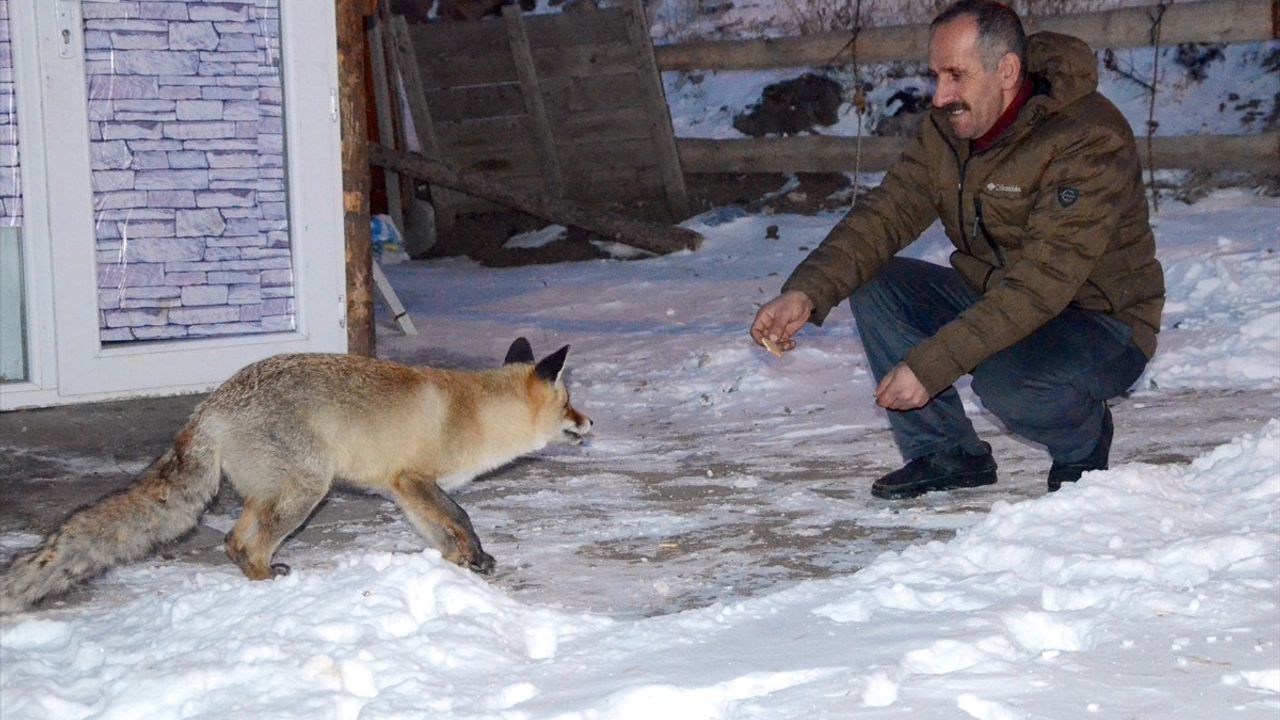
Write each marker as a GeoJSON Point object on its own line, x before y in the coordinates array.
{"type": "Point", "coordinates": [439, 519]}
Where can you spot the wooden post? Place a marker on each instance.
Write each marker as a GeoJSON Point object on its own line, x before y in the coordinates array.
{"type": "Point", "coordinates": [660, 113]}
{"type": "Point", "coordinates": [531, 90]}
{"type": "Point", "coordinates": [355, 176]}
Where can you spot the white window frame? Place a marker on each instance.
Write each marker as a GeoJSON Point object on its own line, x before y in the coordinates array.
{"type": "Point", "coordinates": [67, 360]}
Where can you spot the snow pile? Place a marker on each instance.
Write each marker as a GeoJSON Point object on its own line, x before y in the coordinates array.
{"type": "Point", "coordinates": [1222, 310]}
{"type": "Point", "coordinates": [1144, 589]}
{"type": "Point", "coordinates": [379, 633]}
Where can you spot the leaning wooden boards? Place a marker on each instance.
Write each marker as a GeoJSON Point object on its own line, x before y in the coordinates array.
{"type": "Point", "coordinates": [569, 105]}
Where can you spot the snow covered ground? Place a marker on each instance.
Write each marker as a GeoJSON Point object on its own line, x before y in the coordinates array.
{"type": "Point", "coordinates": [1149, 590]}
{"type": "Point", "coordinates": [714, 551]}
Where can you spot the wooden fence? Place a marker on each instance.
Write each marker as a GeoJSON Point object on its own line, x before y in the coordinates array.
{"type": "Point", "coordinates": [1209, 21]}
{"type": "Point", "coordinates": [1204, 22]}
{"type": "Point", "coordinates": [823, 153]}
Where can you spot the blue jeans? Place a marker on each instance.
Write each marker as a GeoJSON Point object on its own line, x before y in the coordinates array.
{"type": "Point", "coordinates": [1050, 387]}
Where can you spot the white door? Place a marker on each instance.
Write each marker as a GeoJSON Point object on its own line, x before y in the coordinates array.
{"type": "Point", "coordinates": [180, 185]}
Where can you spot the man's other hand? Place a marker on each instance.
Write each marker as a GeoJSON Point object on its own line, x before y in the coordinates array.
{"type": "Point", "coordinates": [780, 318]}
{"type": "Point", "coordinates": [901, 390]}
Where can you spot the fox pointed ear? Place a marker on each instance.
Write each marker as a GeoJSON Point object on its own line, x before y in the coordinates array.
{"type": "Point", "coordinates": [550, 366]}
{"type": "Point", "coordinates": [519, 352]}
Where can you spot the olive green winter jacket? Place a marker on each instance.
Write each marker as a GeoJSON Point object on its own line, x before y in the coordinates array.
{"type": "Point", "coordinates": [1052, 214]}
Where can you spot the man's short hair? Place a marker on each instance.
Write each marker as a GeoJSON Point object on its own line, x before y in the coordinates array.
{"type": "Point", "coordinates": [999, 29]}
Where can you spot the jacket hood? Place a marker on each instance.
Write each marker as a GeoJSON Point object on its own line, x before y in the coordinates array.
{"type": "Point", "coordinates": [1062, 70]}
{"type": "Point", "coordinates": [1065, 63]}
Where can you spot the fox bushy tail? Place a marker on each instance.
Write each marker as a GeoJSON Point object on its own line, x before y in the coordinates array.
{"type": "Point", "coordinates": [162, 504]}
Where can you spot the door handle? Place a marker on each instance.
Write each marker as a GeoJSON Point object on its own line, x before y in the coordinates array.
{"type": "Point", "coordinates": [67, 22]}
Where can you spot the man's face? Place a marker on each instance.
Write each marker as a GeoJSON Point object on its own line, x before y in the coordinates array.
{"type": "Point", "coordinates": [968, 93]}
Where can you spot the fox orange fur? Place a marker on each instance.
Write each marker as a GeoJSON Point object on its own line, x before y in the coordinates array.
{"type": "Point", "coordinates": [284, 429]}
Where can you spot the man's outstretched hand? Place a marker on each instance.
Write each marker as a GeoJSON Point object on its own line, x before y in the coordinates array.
{"type": "Point", "coordinates": [900, 389]}
{"type": "Point", "coordinates": [780, 318]}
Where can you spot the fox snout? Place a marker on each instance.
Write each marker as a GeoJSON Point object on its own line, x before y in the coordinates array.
{"type": "Point", "coordinates": [576, 425]}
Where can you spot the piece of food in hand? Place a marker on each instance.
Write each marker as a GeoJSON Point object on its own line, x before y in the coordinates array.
{"type": "Point", "coordinates": [768, 345]}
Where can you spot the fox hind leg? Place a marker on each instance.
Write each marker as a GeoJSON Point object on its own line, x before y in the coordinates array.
{"type": "Point", "coordinates": [263, 525]}
{"type": "Point", "coordinates": [438, 518]}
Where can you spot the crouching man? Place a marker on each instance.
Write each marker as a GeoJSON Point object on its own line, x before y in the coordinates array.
{"type": "Point", "coordinates": [1053, 298]}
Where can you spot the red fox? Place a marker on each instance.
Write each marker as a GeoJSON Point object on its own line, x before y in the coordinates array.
{"type": "Point", "coordinates": [282, 430]}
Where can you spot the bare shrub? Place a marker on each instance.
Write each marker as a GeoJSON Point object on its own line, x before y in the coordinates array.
{"type": "Point", "coordinates": [810, 17]}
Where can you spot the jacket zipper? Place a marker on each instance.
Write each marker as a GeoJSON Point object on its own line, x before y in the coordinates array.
{"type": "Point", "coordinates": [980, 225]}
{"type": "Point", "coordinates": [961, 166]}
{"type": "Point", "coordinates": [960, 201]}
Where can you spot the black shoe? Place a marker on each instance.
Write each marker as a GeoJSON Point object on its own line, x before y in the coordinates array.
{"type": "Point", "coordinates": [1097, 460]}
{"type": "Point", "coordinates": [939, 471]}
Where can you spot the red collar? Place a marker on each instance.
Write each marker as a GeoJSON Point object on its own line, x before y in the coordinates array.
{"type": "Point", "coordinates": [1005, 120]}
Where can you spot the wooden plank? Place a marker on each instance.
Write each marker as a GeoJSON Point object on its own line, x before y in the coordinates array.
{"type": "Point", "coordinates": [1246, 153]}
{"type": "Point", "coordinates": [580, 94]}
{"type": "Point", "coordinates": [787, 154]}
{"type": "Point", "coordinates": [1207, 21]}
{"type": "Point", "coordinates": [597, 187]}
{"type": "Point", "coordinates": [560, 96]}
{"type": "Point", "coordinates": [458, 38]}
{"type": "Point", "coordinates": [583, 181]}
{"type": "Point", "coordinates": [484, 132]}
{"type": "Point", "coordinates": [491, 62]}
{"type": "Point", "coordinates": [417, 240]}
{"type": "Point", "coordinates": [668, 159]}
{"type": "Point", "coordinates": [403, 63]}
{"type": "Point", "coordinates": [475, 102]}
{"type": "Point", "coordinates": [495, 146]}
{"type": "Point", "coordinates": [585, 60]}
{"type": "Point", "coordinates": [1198, 22]}
{"type": "Point", "coordinates": [406, 66]}
{"type": "Point", "coordinates": [592, 153]}
{"type": "Point", "coordinates": [649, 236]}
{"type": "Point", "coordinates": [503, 162]}
{"type": "Point", "coordinates": [389, 296]}
{"type": "Point", "coordinates": [551, 30]}
{"type": "Point", "coordinates": [603, 125]}
{"type": "Point", "coordinates": [618, 196]}
{"type": "Point", "coordinates": [589, 27]}
{"type": "Point", "coordinates": [383, 111]}
{"type": "Point", "coordinates": [474, 205]}
{"type": "Point", "coordinates": [441, 71]}
{"type": "Point", "coordinates": [532, 93]}
{"type": "Point", "coordinates": [617, 185]}
{"type": "Point", "coordinates": [457, 54]}
{"type": "Point", "coordinates": [875, 44]}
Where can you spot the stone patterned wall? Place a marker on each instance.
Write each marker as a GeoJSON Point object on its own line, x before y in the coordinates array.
{"type": "Point", "coordinates": [187, 139]}
{"type": "Point", "coordinates": [10, 182]}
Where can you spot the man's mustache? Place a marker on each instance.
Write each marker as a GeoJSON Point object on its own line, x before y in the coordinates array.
{"type": "Point", "coordinates": [954, 106]}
